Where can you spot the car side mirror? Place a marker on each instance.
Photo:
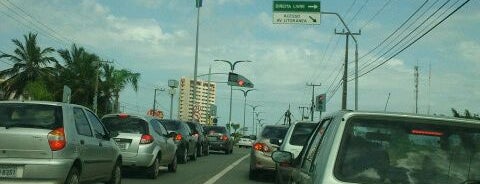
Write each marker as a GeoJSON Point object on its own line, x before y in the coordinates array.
{"type": "Point", "coordinates": [113, 134]}
{"type": "Point", "coordinates": [283, 158]}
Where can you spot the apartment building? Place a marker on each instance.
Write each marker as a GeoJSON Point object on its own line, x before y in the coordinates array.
{"type": "Point", "coordinates": [204, 99]}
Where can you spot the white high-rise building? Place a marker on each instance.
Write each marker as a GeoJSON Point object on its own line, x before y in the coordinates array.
{"type": "Point", "coordinates": [204, 99]}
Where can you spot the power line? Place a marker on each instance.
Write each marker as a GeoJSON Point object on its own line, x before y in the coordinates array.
{"type": "Point", "coordinates": [358, 11]}
{"type": "Point", "coordinates": [376, 14]}
{"type": "Point", "coordinates": [436, 25]}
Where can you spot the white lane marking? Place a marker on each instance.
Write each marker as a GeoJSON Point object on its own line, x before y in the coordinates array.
{"type": "Point", "coordinates": [224, 171]}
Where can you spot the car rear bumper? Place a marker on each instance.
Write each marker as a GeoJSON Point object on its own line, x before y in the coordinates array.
{"type": "Point", "coordinates": [218, 146]}
{"type": "Point", "coordinates": [37, 170]}
{"type": "Point", "coordinates": [140, 160]}
{"type": "Point", "coordinates": [261, 161]}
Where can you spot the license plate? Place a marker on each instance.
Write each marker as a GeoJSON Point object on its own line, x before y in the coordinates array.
{"type": "Point", "coordinates": [8, 172]}
{"type": "Point", "coordinates": [122, 145]}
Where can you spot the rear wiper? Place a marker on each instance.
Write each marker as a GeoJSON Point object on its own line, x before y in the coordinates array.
{"type": "Point", "coordinates": [471, 182]}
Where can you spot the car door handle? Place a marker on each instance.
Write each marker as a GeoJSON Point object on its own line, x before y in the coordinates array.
{"type": "Point", "coordinates": [82, 142]}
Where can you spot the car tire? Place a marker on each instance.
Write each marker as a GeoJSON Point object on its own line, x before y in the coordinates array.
{"type": "Point", "coordinates": [73, 176]}
{"type": "Point", "coordinates": [194, 156]}
{"type": "Point", "coordinates": [183, 157]}
{"type": "Point", "coordinates": [116, 174]}
{"type": "Point", "coordinates": [172, 167]}
{"type": "Point", "coordinates": [154, 169]}
{"type": "Point", "coordinates": [231, 150]}
{"type": "Point", "coordinates": [252, 174]}
{"type": "Point", "coordinates": [207, 151]}
{"type": "Point", "coordinates": [227, 151]}
{"type": "Point", "coordinates": [200, 151]}
{"type": "Point", "coordinates": [239, 146]}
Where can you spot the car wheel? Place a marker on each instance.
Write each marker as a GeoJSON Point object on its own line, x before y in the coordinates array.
{"type": "Point", "coordinates": [200, 151]}
{"type": "Point", "coordinates": [73, 176]}
{"type": "Point", "coordinates": [172, 167]}
{"type": "Point", "coordinates": [207, 150]}
{"type": "Point", "coordinates": [183, 157]}
{"type": "Point", "coordinates": [231, 150]}
{"type": "Point", "coordinates": [194, 156]}
{"type": "Point", "coordinates": [153, 169]}
{"type": "Point", "coordinates": [239, 146]}
{"type": "Point", "coordinates": [252, 174]}
{"type": "Point", "coordinates": [116, 174]}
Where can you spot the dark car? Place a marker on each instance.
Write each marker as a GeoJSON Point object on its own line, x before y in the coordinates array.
{"type": "Point", "coordinates": [186, 142]}
{"type": "Point", "coordinates": [374, 147]}
{"type": "Point", "coordinates": [202, 140]}
{"type": "Point", "coordinates": [219, 139]}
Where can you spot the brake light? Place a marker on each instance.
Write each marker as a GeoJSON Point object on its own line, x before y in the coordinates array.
{"type": "Point", "coordinates": [123, 116]}
{"type": "Point", "coordinates": [56, 139]}
{"type": "Point", "coordinates": [425, 132]}
{"type": "Point", "coordinates": [178, 137]}
{"type": "Point", "coordinates": [261, 147]}
{"type": "Point", "coordinates": [224, 138]}
{"type": "Point", "coordinates": [146, 139]}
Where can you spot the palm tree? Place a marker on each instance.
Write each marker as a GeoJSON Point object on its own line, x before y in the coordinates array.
{"type": "Point", "coordinates": [30, 63]}
{"type": "Point", "coordinates": [120, 79]}
{"type": "Point", "coordinates": [79, 74]}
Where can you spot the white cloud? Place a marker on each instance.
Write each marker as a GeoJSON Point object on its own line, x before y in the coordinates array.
{"type": "Point", "coordinates": [469, 50]}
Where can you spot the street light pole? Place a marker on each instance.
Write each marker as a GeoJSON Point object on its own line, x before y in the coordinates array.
{"type": "Point", "coordinates": [253, 117]}
{"type": "Point", "coordinates": [258, 114]}
{"type": "Point", "coordinates": [232, 68]}
{"type": "Point", "coordinates": [198, 4]}
{"type": "Point", "coordinates": [95, 103]}
{"type": "Point", "coordinates": [245, 93]}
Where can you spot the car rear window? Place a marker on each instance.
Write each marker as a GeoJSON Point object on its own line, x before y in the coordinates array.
{"type": "Point", "coordinates": [215, 129]}
{"type": "Point", "coordinates": [274, 132]}
{"type": "Point", "coordinates": [126, 125]}
{"type": "Point", "coordinates": [409, 151]}
{"type": "Point", "coordinates": [301, 133]}
{"type": "Point", "coordinates": [30, 116]}
{"type": "Point", "coordinates": [176, 126]}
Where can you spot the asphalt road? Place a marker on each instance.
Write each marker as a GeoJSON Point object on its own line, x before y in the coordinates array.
{"type": "Point", "coordinates": [216, 168]}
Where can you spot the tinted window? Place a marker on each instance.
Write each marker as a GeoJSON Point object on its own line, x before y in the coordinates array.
{"type": "Point", "coordinates": [81, 122]}
{"type": "Point", "coordinates": [125, 125]}
{"type": "Point", "coordinates": [272, 132]}
{"type": "Point", "coordinates": [176, 126]}
{"type": "Point", "coordinates": [431, 152]}
{"type": "Point", "coordinates": [215, 129]}
{"type": "Point", "coordinates": [98, 129]}
{"type": "Point", "coordinates": [157, 127]}
{"type": "Point", "coordinates": [301, 133]}
{"type": "Point", "coordinates": [31, 116]}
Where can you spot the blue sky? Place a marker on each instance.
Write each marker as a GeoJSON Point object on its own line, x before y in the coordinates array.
{"type": "Point", "coordinates": [157, 37]}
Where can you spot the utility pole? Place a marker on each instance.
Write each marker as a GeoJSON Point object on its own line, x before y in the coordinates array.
{"type": "Point", "coordinates": [287, 117]}
{"type": "Point", "coordinates": [258, 114]}
{"type": "Point", "coordinates": [345, 70]}
{"type": "Point", "coordinates": [303, 111]}
{"type": "Point", "coordinates": [155, 98]}
{"type": "Point", "coordinates": [198, 4]}
{"type": "Point", "coordinates": [429, 85]}
{"type": "Point", "coordinates": [313, 99]}
{"type": "Point", "coordinates": [415, 74]}
{"type": "Point", "coordinates": [95, 103]}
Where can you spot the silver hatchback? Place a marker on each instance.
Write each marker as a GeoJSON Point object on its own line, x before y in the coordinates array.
{"type": "Point", "coordinates": [144, 142]}
{"type": "Point", "coordinates": [50, 142]}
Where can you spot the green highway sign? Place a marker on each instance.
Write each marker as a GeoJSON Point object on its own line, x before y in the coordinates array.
{"type": "Point", "coordinates": [296, 12]}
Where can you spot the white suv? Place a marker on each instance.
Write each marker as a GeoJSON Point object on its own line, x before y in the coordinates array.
{"type": "Point", "coordinates": [297, 136]}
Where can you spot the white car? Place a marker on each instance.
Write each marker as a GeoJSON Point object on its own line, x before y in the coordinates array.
{"type": "Point", "coordinates": [297, 136]}
{"type": "Point", "coordinates": [245, 141]}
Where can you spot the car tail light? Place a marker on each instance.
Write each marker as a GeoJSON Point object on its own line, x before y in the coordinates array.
{"type": "Point", "coordinates": [261, 147]}
{"type": "Point", "coordinates": [224, 138]}
{"type": "Point", "coordinates": [56, 139]}
{"type": "Point", "coordinates": [178, 137]}
{"type": "Point", "coordinates": [123, 116]}
{"type": "Point", "coordinates": [146, 139]}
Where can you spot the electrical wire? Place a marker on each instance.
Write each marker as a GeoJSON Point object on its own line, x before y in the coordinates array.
{"type": "Point", "coordinates": [376, 14]}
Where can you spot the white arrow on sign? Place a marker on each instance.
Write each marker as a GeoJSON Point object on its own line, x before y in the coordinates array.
{"type": "Point", "coordinates": [313, 6]}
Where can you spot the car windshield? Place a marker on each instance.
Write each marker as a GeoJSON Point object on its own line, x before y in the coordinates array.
{"type": "Point", "coordinates": [126, 125]}
{"type": "Point", "coordinates": [408, 151]}
{"type": "Point", "coordinates": [30, 116]}
{"type": "Point", "coordinates": [215, 129]}
{"type": "Point", "coordinates": [274, 132]}
{"type": "Point", "coordinates": [301, 133]}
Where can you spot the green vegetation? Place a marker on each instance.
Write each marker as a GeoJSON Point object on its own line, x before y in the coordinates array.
{"type": "Point", "coordinates": [40, 74]}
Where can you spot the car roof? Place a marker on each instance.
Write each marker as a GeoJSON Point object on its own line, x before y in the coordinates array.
{"type": "Point", "coordinates": [41, 103]}
{"type": "Point", "coordinates": [141, 116]}
{"type": "Point", "coordinates": [347, 114]}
